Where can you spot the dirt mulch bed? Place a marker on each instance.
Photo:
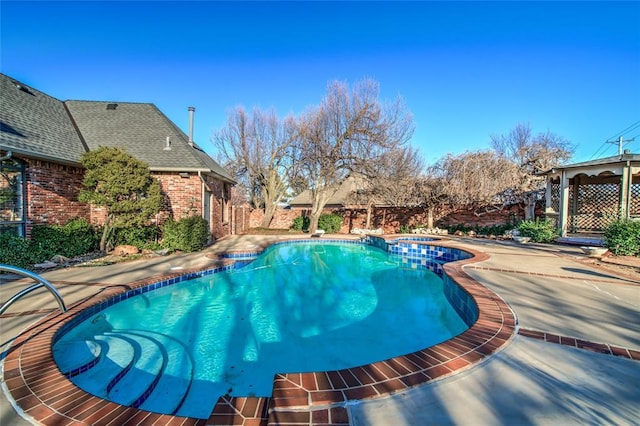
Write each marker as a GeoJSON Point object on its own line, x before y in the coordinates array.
{"type": "Point", "coordinates": [627, 266]}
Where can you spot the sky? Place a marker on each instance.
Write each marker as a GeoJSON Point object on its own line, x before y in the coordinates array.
{"type": "Point", "coordinates": [466, 70]}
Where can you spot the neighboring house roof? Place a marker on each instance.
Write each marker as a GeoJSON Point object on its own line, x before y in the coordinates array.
{"type": "Point", "coordinates": [344, 196]}
{"type": "Point", "coordinates": [37, 125]}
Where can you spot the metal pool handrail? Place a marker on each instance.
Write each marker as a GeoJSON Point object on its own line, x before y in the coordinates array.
{"type": "Point", "coordinates": [41, 282]}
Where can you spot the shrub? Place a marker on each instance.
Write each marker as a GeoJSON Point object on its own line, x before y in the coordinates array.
{"type": "Point", "coordinates": [188, 234]}
{"type": "Point", "coordinates": [85, 237]}
{"type": "Point", "coordinates": [540, 231]}
{"type": "Point", "coordinates": [622, 237]}
{"type": "Point", "coordinates": [497, 229]}
{"type": "Point", "coordinates": [14, 250]}
{"type": "Point", "coordinates": [494, 229]}
{"type": "Point", "coordinates": [141, 237]}
{"type": "Point", "coordinates": [301, 223]}
{"type": "Point", "coordinates": [404, 229]}
{"type": "Point", "coordinates": [74, 238]}
{"type": "Point", "coordinates": [46, 241]}
{"type": "Point", "coordinates": [452, 229]}
{"type": "Point", "coordinates": [331, 223]}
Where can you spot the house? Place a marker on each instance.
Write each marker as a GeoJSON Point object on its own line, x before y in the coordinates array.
{"type": "Point", "coordinates": [583, 198]}
{"type": "Point", "coordinates": [351, 193]}
{"type": "Point", "coordinates": [42, 139]}
{"type": "Point", "coordinates": [353, 200]}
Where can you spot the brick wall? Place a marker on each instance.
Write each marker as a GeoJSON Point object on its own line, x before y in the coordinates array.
{"type": "Point", "coordinates": [240, 219]}
{"type": "Point", "coordinates": [391, 219]}
{"type": "Point", "coordinates": [282, 219]}
{"type": "Point", "coordinates": [183, 195]}
{"type": "Point", "coordinates": [52, 193]}
{"type": "Point", "coordinates": [484, 217]}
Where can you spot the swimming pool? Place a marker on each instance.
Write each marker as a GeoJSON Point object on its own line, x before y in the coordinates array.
{"type": "Point", "coordinates": [212, 336]}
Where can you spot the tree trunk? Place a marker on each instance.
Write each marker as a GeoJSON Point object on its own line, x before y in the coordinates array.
{"type": "Point", "coordinates": [269, 211]}
{"type": "Point", "coordinates": [369, 209]}
{"type": "Point", "coordinates": [272, 191]}
{"type": "Point", "coordinates": [319, 200]}
{"type": "Point", "coordinates": [529, 207]}
{"type": "Point", "coordinates": [106, 230]}
{"type": "Point", "coordinates": [313, 220]}
{"type": "Point", "coordinates": [430, 217]}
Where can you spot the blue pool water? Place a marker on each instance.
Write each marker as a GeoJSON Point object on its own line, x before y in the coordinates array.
{"type": "Point", "coordinates": [296, 308]}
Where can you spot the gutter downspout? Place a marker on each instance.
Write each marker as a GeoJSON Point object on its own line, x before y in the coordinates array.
{"type": "Point", "coordinates": [206, 215]}
{"type": "Point", "coordinates": [7, 156]}
{"type": "Point", "coordinates": [203, 188]}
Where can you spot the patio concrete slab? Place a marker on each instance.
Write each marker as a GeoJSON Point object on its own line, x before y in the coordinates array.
{"type": "Point", "coordinates": [528, 383]}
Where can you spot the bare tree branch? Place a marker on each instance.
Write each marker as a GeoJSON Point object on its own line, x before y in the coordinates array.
{"type": "Point", "coordinates": [258, 148]}
{"type": "Point", "coordinates": [348, 132]}
{"type": "Point", "coordinates": [531, 155]}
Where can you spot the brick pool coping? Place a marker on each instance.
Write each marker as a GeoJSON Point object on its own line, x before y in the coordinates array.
{"type": "Point", "coordinates": [42, 392]}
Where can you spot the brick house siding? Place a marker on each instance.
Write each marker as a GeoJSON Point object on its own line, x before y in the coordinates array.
{"type": "Point", "coordinates": [183, 198]}
{"type": "Point", "coordinates": [182, 194]}
{"type": "Point", "coordinates": [220, 208]}
{"type": "Point", "coordinates": [52, 193]}
{"type": "Point", "coordinates": [52, 197]}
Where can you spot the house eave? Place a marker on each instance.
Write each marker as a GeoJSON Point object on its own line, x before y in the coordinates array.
{"type": "Point", "coordinates": [41, 157]}
{"type": "Point", "coordinates": [196, 170]}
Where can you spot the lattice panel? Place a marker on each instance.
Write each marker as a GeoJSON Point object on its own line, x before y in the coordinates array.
{"type": "Point", "coordinates": [598, 204]}
{"type": "Point", "coordinates": [555, 196]}
{"type": "Point", "coordinates": [634, 203]}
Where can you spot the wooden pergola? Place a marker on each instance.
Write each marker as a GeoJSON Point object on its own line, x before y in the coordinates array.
{"type": "Point", "coordinates": [583, 198]}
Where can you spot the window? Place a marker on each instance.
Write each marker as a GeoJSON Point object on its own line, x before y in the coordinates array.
{"type": "Point", "coordinates": [12, 197]}
{"type": "Point", "coordinates": [225, 203]}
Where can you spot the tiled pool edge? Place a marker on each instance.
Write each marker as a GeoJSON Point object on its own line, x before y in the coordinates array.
{"type": "Point", "coordinates": [43, 393]}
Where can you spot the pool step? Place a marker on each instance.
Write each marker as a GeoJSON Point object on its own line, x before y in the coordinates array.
{"type": "Point", "coordinates": [175, 381]}
{"type": "Point", "coordinates": [77, 356]}
{"type": "Point", "coordinates": [115, 361]}
{"type": "Point", "coordinates": [136, 368]}
{"type": "Point", "coordinates": [140, 379]}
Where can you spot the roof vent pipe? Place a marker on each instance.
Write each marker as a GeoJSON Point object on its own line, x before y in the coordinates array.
{"type": "Point", "coordinates": [191, 111]}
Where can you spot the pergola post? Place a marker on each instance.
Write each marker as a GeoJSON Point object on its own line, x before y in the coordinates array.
{"type": "Point", "coordinates": [564, 203]}
{"type": "Point", "coordinates": [548, 205]}
{"type": "Point", "coordinates": [625, 191]}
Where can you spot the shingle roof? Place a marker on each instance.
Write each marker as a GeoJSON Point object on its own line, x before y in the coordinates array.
{"type": "Point", "coordinates": [342, 197]}
{"type": "Point", "coordinates": [142, 130]}
{"type": "Point", "coordinates": [35, 124]}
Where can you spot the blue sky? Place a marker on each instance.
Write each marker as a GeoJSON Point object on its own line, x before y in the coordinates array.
{"type": "Point", "coordinates": [465, 69]}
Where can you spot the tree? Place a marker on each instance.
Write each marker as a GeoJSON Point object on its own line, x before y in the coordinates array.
{"type": "Point", "coordinates": [476, 179]}
{"type": "Point", "coordinates": [531, 155]}
{"type": "Point", "coordinates": [256, 146]}
{"type": "Point", "coordinates": [431, 193]}
{"type": "Point", "coordinates": [393, 181]}
{"type": "Point", "coordinates": [124, 186]}
{"type": "Point", "coordinates": [348, 132]}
